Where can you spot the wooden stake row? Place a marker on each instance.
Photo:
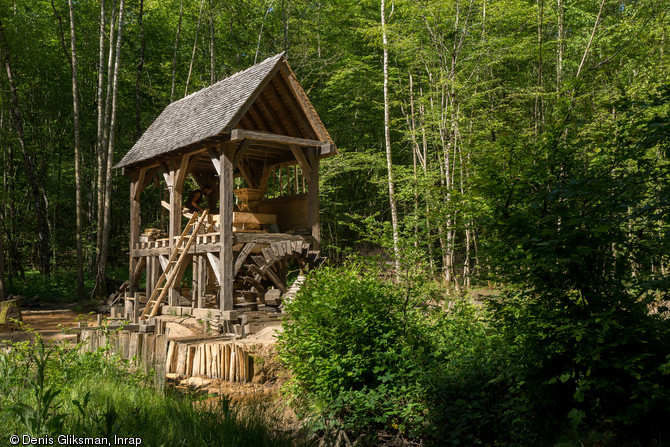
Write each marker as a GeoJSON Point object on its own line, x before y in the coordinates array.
{"type": "Point", "coordinates": [227, 361]}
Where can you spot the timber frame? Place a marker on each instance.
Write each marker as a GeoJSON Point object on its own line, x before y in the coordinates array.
{"type": "Point", "coordinates": [256, 129]}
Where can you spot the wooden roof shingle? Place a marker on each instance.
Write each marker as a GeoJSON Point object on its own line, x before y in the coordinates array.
{"type": "Point", "coordinates": [203, 114]}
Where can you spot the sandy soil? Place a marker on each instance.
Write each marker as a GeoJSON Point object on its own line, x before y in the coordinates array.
{"type": "Point", "coordinates": [50, 324]}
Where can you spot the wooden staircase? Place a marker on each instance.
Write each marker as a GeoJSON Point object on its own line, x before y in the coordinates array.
{"type": "Point", "coordinates": [177, 259]}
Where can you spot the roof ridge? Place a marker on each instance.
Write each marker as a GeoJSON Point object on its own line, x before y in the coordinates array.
{"type": "Point", "coordinates": [229, 78]}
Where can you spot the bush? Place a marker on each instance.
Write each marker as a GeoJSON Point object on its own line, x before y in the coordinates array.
{"type": "Point", "coordinates": [355, 357]}
{"type": "Point", "coordinates": [582, 369]}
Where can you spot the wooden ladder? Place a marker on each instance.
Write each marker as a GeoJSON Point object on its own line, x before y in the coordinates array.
{"type": "Point", "coordinates": [177, 259]}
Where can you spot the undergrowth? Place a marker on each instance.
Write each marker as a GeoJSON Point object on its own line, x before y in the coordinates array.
{"type": "Point", "coordinates": [51, 390]}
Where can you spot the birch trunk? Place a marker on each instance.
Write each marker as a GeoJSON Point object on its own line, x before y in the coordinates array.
{"type": "Point", "coordinates": [387, 136]}
{"type": "Point", "coordinates": [100, 287]}
{"type": "Point", "coordinates": [103, 179]}
{"type": "Point", "coordinates": [176, 47]}
{"type": "Point", "coordinates": [195, 45]}
{"type": "Point", "coordinates": [212, 64]}
{"type": "Point", "coordinates": [100, 158]}
{"type": "Point", "coordinates": [77, 158]}
{"type": "Point", "coordinates": [559, 46]}
{"type": "Point", "coordinates": [138, 129]}
{"type": "Point", "coordinates": [538, 100]}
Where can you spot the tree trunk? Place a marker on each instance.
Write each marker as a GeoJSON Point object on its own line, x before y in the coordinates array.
{"type": "Point", "coordinates": [3, 288]}
{"type": "Point", "coordinates": [212, 65]}
{"type": "Point", "coordinates": [260, 33]}
{"type": "Point", "coordinates": [588, 45]}
{"type": "Point", "coordinates": [102, 173]}
{"type": "Point", "coordinates": [559, 47]}
{"type": "Point", "coordinates": [100, 287]}
{"type": "Point", "coordinates": [77, 158]}
{"type": "Point", "coordinates": [99, 148]}
{"type": "Point", "coordinates": [33, 180]}
{"type": "Point", "coordinates": [195, 45]}
{"type": "Point", "coordinates": [387, 137]}
{"type": "Point", "coordinates": [176, 47]}
{"type": "Point", "coordinates": [538, 100]}
{"type": "Point", "coordinates": [138, 129]}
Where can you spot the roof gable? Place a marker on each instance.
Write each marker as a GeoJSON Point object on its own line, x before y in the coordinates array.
{"type": "Point", "coordinates": [215, 110]}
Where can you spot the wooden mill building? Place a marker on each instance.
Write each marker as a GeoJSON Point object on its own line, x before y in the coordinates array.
{"type": "Point", "coordinates": [256, 139]}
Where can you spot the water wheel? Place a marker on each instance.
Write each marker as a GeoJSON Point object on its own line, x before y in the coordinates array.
{"type": "Point", "coordinates": [268, 269]}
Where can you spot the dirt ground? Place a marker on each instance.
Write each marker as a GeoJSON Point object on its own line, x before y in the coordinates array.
{"type": "Point", "coordinates": [50, 324]}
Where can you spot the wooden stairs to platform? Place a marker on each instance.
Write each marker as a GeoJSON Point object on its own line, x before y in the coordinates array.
{"type": "Point", "coordinates": [177, 261]}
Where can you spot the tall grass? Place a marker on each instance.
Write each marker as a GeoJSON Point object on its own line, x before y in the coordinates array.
{"type": "Point", "coordinates": [47, 391]}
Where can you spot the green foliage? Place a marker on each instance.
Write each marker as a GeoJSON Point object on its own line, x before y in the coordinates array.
{"type": "Point", "coordinates": [367, 356]}
{"type": "Point", "coordinates": [53, 390]}
{"type": "Point", "coordinates": [354, 362]}
{"type": "Point", "coordinates": [605, 370]}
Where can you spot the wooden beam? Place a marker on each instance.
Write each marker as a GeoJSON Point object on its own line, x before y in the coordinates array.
{"type": "Point", "coordinates": [302, 161]}
{"type": "Point", "coordinates": [215, 156]}
{"type": "Point", "coordinates": [327, 150]}
{"type": "Point", "coordinates": [147, 179]}
{"type": "Point", "coordinates": [240, 152]}
{"type": "Point", "coordinates": [163, 260]}
{"type": "Point", "coordinates": [181, 172]}
{"type": "Point", "coordinates": [245, 173]}
{"type": "Point", "coordinates": [313, 222]}
{"type": "Point", "coordinates": [243, 110]}
{"type": "Point", "coordinates": [286, 94]}
{"type": "Point", "coordinates": [242, 256]}
{"type": "Point", "coordinates": [304, 102]}
{"type": "Point", "coordinates": [273, 96]}
{"type": "Point", "coordinates": [226, 224]}
{"type": "Point", "coordinates": [135, 180]}
{"type": "Point", "coordinates": [241, 134]}
{"type": "Point", "coordinates": [273, 118]}
{"type": "Point", "coordinates": [195, 158]}
{"type": "Point", "coordinates": [216, 265]}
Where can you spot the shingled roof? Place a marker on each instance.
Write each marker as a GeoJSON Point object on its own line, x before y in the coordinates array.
{"type": "Point", "coordinates": [204, 114]}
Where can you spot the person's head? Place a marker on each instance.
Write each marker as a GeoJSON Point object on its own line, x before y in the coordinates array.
{"type": "Point", "coordinates": [207, 189]}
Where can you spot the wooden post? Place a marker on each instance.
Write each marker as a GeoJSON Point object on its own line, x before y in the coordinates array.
{"type": "Point", "coordinates": [202, 280]}
{"type": "Point", "coordinates": [226, 220]}
{"type": "Point", "coordinates": [177, 176]}
{"type": "Point", "coordinates": [135, 192]}
{"type": "Point", "coordinates": [313, 221]}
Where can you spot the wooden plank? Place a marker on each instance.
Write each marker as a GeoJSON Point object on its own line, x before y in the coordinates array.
{"type": "Point", "coordinates": [254, 218]}
{"type": "Point", "coordinates": [214, 262]}
{"type": "Point", "coordinates": [269, 256]}
{"type": "Point", "coordinates": [268, 238]}
{"type": "Point", "coordinates": [203, 359]}
{"type": "Point", "coordinates": [226, 361]}
{"type": "Point", "coordinates": [226, 239]}
{"type": "Point", "coordinates": [257, 135]}
{"type": "Point", "coordinates": [168, 358]}
{"type": "Point", "coordinates": [242, 256]}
